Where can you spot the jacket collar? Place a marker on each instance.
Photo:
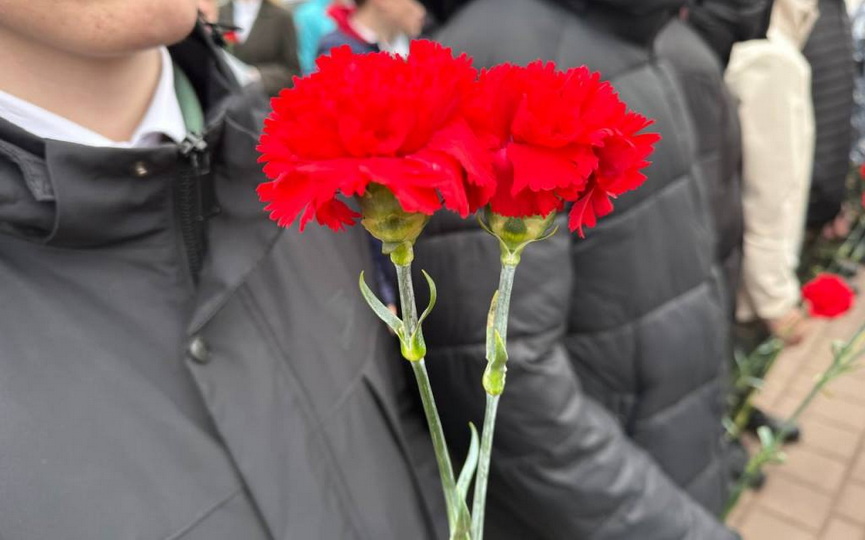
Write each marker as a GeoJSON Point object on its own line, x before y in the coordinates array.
{"type": "Point", "coordinates": [69, 195]}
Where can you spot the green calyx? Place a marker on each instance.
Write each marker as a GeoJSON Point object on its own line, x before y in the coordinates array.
{"type": "Point", "coordinates": [515, 234]}
{"type": "Point", "coordinates": [385, 219]}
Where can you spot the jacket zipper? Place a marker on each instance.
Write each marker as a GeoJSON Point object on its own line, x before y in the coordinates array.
{"type": "Point", "coordinates": [195, 201]}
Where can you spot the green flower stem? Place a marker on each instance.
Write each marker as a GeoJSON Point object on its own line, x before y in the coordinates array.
{"type": "Point", "coordinates": [435, 427]}
{"type": "Point", "coordinates": [845, 251]}
{"type": "Point", "coordinates": [483, 473]}
{"type": "Point", "coordinates": [756, 367]}
{"type": "Point", "coordinates": [755, 464]}
{"type": "Point", "coordinates": [843, 361]}
{"type": "Point", "coordinates": [494, 382]}
{"type": "Point", "coordinates": [410, 320]}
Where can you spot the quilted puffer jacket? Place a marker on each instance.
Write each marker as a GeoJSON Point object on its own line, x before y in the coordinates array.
{"type": "Point", "coordinates": [610, 423]}
{"type": "Point", "coordinates": [719, 140]}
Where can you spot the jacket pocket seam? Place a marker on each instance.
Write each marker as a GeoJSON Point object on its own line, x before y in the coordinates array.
{"type": "Point", "coordinates": [204, 514]}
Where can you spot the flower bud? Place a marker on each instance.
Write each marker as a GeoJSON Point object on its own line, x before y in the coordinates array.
{"type": "Point", "coordinates": [385, 219]}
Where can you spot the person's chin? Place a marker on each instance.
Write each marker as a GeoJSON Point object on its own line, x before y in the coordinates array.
{"type": "Point", "coordinates": [140, 39]}
{"type": "Point", "coordinates": [168, 33]}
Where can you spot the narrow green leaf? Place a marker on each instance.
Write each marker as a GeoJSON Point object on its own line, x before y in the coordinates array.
{"type": "Point", "coordinates": [432, 298]}
{"type": "Point", "coordinates": [766, 436]}
{"type": "Point", "coordinates": [468, 470]}
{"type": "Point", "coordinates": [741, 358]}
{"type": "Point", "coordinates": [491, 322]}
{"type": "Point", "coordinates": [754, 382]}
{"type": "Point", "coordinates": [730, 426]}
{"type": "Point", "coordinates": [379, 308]}
{"type": "Point", "coordinates": [496, 370]}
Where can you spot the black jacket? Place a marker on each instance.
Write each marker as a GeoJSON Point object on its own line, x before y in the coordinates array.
{"type": "Point", "coordinates": [829, 50]}
{"type": "Point", "coordinates": [723, 23]}
{"type": "Point", "coordinates": [262, 403]}
{"type": "Point", "coordinates": [700, 73]}
{"type": "Point", "coordinates": [609, 427]}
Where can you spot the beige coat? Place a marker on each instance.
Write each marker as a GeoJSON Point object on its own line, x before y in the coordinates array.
{"type": "Point", "coordinates": [772, 81]}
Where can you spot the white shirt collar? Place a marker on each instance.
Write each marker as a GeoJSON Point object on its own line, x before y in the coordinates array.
{"type": "Point", "coordinates": [163, 117]}
{"type": "Point", "coordinates": [245, 13]}
{"type": "Point", "coordinates": [399, 45]}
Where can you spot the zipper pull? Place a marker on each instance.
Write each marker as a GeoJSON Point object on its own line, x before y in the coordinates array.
{"type": "Point", "coordinates": [194, 149]}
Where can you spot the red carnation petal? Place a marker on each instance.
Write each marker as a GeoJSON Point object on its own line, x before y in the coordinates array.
{"type": "Point", "coordinates": [544, 169]}
{"type": "Point", "coordinates": [586, 211]}
{"type": "Point", "coordinates": [286, 199]}
{"type": "Point", "coordinates": [415, 198]}
{"type": "Point", "coordinates": [306, 217]}
{"type": "Point", "coordinates": [459, 141]}
{"type": "Point", "coordinates": [524, 203]}
{"type": "Point", "coordinates": [335, 214]}
{"type": "Point", "coordinates": [447, 176]}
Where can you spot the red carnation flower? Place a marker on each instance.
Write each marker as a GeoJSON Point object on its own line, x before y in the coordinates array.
{"type": "Point", "coordinates": [230, 37]}
{"type": "Point", "coordinates": [862, 171]}
{"type": "Point", "coordinates": [374, 118]}
{"type": "Point", "coordinates": [558, 137]}
{"type": "Point", "coordinates": [827, 295]}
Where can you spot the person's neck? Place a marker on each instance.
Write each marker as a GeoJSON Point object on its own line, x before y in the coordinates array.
{"type": "Point", "coordinates": [369, 19]}
{"type": "Point", "coordinates": [108, 95]}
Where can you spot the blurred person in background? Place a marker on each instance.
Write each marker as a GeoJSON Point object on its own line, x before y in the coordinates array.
{"type": "Point", "coordinates": [857, 23]}
{"type": "Point", "coordinates": [172, 364]}
{"type": "Point", "coordinates": [718, 24]}
{"type": "Point", "coordinates": [723, 23]}
{"type": "Point", "coordinates": [772, 81]}
{"type": "Point", "coordinates": [375, 25]}
{"type": "Point", "coordinates": [829, 51]}
{"type": "Point", "coordinates": [610, 425]}
{"type": "Point", "coordinates": [266, 40]}
{"type": "Point", "coordinates": [313, 23]}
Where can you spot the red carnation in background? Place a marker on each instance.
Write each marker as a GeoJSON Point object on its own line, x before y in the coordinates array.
{"type": "Point", "coordinates": [828, 295]}
{"type": "Point", "coordinates": [374, 118]}
{"type": "Point", "coordinates": [230, 37]}
{"type": "Point", "coordinates": [558, 137]}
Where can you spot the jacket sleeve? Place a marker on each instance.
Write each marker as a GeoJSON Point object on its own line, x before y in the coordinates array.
{"type": "Point", "coordinates": [561, 467]}
{"type": "Point", "coordinates": [772, 83]}
{"type": "Point", "coordinates": [279, 73]}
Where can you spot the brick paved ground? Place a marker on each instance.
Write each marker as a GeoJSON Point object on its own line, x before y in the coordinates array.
{"type": "Point", "coordinates": [819, 494]}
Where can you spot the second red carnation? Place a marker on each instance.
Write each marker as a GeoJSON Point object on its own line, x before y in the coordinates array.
{"type": "Point", "coordinates": [558, 137]}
